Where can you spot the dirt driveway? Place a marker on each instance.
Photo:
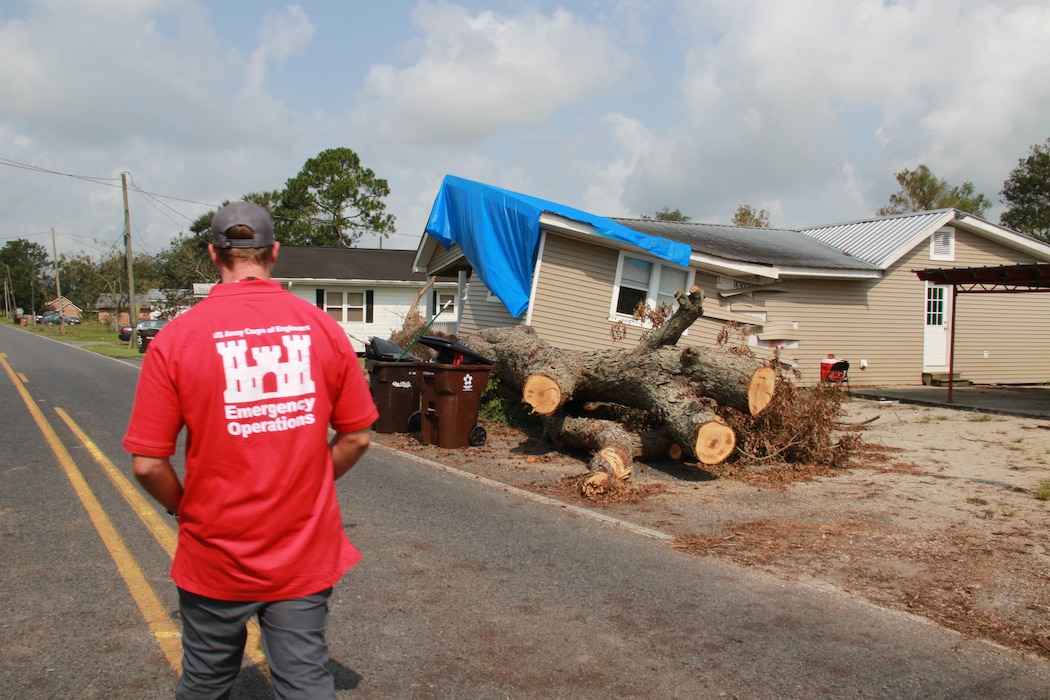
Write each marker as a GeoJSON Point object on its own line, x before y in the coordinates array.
{"type": "Point", "coordinates": [938, 517]}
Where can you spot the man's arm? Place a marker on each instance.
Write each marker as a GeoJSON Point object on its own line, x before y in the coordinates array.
{"type": "Point", "coordinates": [159, 479]}
{"type": "Point", "coordinates": [347, 448]}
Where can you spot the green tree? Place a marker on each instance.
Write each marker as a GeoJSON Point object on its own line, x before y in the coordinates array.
{"type": "Point", "coordinates": [746, 216]}
{"type": "Point", "coordinates": [333, 201]}
{"type": "Point", "coordinates": [1026, 194]}
{"type": "Point", "coordinates": [29, 267]}
{"type": "Point", "coordinates": [81, 282]}
{"type": "Point", "coordinates": [666, 214]}
{"type": "Point", "coordinates": [921, 190]}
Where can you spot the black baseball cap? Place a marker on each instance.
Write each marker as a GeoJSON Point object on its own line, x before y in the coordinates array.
{"type": "Point", "coordinates": [247, 214]}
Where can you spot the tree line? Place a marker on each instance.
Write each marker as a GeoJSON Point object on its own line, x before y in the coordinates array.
{"type": "Point", "coordinates": [334, 200]}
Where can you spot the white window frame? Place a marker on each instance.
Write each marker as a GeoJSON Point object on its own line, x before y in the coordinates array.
{"type": "Point", "coordinates": [344, 306]}
{"type": "Point", "coordinates": [942, 244]}
{"type": "Point", "coordinates": [652, 292]}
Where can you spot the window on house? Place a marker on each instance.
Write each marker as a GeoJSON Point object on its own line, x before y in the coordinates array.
{"type": "Point", "coordinates": [646, 281]}
{"type": "Point", "coordinates": [442, 298]}
{"type": "Point", "coordinates": [347, 307]}
{"type": "Point", "coordinates": [942, 244]}
{"type": "Point", "coordinates": [934, 306]}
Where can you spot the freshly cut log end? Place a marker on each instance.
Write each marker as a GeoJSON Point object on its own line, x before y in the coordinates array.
{"type": "Point", "coordinates": [760, 389]}
{"type": "Point", "coordinates": [542, 393]}
{"type": "Point", "coordinates": [715, 441]}
{"type": "Point", "coordinates": [615, 461]}
{"type": "Point", "coordinates": [597, 484]}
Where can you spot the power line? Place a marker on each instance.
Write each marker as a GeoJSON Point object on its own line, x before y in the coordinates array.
{"type": "Point", "coordinates": [107, 181]}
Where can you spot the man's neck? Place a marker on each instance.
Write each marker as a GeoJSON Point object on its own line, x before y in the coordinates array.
{"type": "Point", "coordinates": [243, 272]}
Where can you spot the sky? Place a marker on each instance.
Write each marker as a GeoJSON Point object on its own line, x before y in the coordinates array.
{"type": "Point", "coordinates": [803, 108]}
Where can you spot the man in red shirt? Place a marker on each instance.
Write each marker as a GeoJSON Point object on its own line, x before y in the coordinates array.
{"type": "Point", "coordinates": [257, 376]}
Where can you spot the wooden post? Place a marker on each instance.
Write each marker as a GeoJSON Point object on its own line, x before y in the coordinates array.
{"type": "Point", "coordinates": [133, 307]}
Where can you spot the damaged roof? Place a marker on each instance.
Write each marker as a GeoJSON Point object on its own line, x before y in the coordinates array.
{"type": "Point", "coordinates": [760, 246]}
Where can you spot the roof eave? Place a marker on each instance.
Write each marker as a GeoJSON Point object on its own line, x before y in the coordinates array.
{"type": "Point", "coordinates": [829, 273]}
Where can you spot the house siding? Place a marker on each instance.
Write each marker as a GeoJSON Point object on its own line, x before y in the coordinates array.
{"type": "Point", "coordinates": [479, 313]}
{"type": "Point", "coordinates": [876, 320]}
{"type": "Point", "coordinates": [881, 321]}
{"type": "Point", "coordinates": [443, 258]}
{"type": "Point", "coordinates": [1011, 327]}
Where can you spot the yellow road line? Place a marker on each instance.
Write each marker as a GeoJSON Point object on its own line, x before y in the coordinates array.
{"type": "Point", "coordinates": [158, 619]}
{"type": "Point", "coordinates": [156, 524]}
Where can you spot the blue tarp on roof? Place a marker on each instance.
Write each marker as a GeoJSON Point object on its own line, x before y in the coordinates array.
{"type": "Point", "coordinates": [499, 234]}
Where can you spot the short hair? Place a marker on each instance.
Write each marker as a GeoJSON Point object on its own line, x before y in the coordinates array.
{"type": "Point", "coordinates": [228, 256]}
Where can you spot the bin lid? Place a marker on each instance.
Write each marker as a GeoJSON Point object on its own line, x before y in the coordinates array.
{"type": "Point", "coordinates": [385, 351]}
{"type": "Point", "coordinates": [449, 351]}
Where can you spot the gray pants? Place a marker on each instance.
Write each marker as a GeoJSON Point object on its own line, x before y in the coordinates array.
{"type": "Point", "coordinates": [213, 637]}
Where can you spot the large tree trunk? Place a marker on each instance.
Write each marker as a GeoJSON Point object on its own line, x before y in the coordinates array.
{"type": "Point", "coordinates": [679, 387]}
{"type": "Point", "coordinates": [548, 377]}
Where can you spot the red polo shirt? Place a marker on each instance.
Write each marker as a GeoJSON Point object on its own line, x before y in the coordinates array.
{"type": "Point", "coordinates": [257, 376]}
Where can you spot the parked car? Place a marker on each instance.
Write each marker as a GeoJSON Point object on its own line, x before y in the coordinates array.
{"type": "Point", "coordinates": [147, 330]}
{"type": "Point", "coordinates": [53, 317]}
{"type": "Point", "coordinates": [125, 332]}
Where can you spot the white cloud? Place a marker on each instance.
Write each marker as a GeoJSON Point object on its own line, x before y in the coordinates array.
{"type": "Point", "coordinates": [777, 92]}
{"type": "Point", "coordinates": [478, 73]}
{"type": "Point", "coordinates": [282, 34]}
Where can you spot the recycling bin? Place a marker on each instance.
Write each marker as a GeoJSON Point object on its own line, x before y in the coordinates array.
{"type": "Point", "coordinates": [396, 390]}
{"type": "Point", "coordinates": [450, 401]}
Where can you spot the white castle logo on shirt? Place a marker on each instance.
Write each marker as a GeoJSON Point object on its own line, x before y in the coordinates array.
{"type": "Point", "coordinates": [245, 382]}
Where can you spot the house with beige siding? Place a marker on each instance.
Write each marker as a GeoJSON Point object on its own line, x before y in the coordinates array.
{"type": "Point", "coordinates": [368, 291]}
{"type": "Point", "coordinates": [848, 290]}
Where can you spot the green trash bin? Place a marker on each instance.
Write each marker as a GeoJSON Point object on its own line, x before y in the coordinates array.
{"type": "Point", "coordinates": [396, 390]}
{"type": "Point", "coordinates": [451, 398]}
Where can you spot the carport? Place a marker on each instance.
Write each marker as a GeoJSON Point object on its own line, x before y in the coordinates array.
{"type": "Point", "coordinates": [1003, 279]}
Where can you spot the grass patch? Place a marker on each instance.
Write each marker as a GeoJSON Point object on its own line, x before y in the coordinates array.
{"type": "Point", "coordinates": [1043, 492]}
{"type": "Point", "coordinates": [97, 337]}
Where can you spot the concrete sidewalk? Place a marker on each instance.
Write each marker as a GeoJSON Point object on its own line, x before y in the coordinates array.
{"type": "Point", "coordinates": [1030, 401]}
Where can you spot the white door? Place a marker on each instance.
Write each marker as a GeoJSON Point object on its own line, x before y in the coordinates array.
{"type": "Point", "coordinates": [935, 340]}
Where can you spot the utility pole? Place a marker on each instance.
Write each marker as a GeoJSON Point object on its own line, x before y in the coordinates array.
{"type": "Point", "coordinates": [58, 286]}
{"type": "Point", "coordinates": [133, 307]}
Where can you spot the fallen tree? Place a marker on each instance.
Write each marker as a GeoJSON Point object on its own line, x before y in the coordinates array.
{"type": "Point", "coordinates": [682, 389]}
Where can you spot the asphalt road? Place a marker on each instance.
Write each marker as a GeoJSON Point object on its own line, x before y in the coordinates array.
{"type": "Point", "coordinates": [468, 588]}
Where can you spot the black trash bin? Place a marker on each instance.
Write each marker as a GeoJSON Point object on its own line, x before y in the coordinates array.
{"type": "Point", "coordinates": [395, 385]}
{"type": "Point", "coordinates": [450, 353]}
{"type": "Point", "coordinates": [386, 351]}
{"type": "Point", "coordinates": [451, 398]}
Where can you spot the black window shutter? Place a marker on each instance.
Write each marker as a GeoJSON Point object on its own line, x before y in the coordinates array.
{"type": "Point", "coordinates": [369, 301]}
{"type": "Point", "coordinates": [320, 298]}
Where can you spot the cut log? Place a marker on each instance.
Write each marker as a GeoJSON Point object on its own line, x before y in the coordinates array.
{"type": "Point", "coordinates": [715, 441]}
{"type": "Point", "coordinates": [613, 448]}
{"type": "Point", "coordinates": [760, 389]}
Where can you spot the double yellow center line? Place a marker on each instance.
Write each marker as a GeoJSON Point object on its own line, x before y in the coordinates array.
{"type": "Point", "coordinates": [153, 611]}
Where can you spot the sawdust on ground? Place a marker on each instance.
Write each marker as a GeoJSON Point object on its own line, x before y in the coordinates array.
{"type": "Point", "coordinates": [938, 516]}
